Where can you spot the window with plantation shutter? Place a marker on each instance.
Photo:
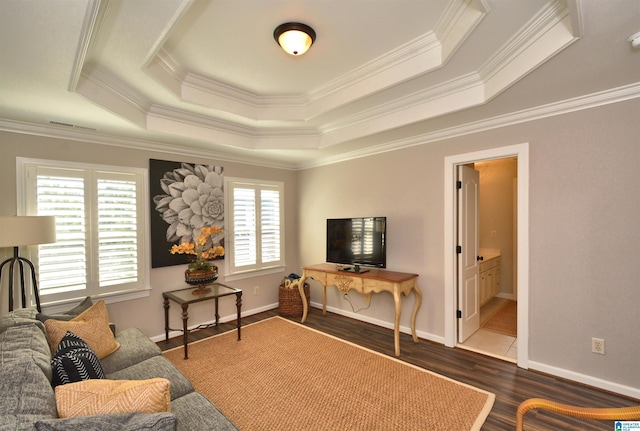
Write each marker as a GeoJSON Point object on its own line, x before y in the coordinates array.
{"type": "Point", "coordinates": [100, 228]}
{"type": "Point", "coordinates": [255, 231]}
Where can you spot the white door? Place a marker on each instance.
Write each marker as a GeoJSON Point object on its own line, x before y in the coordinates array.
{"type": "Point", "coordinates": [468, 265]}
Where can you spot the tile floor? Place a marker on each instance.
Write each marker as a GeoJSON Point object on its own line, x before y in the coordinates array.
{"type": "Point", "coordinates": [491, 343]}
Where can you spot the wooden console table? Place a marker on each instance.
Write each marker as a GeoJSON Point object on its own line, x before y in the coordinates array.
{"type": "Point", "coordinates": [366, 283]}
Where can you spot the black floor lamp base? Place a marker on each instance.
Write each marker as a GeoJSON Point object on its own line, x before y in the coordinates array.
{"type": "Point", "coordinates": [21, 262]}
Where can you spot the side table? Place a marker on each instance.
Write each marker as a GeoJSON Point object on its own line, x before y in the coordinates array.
{"type": "Point", "coordinates": [185, 297]}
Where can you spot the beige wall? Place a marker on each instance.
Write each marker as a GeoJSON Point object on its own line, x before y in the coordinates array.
{"type": "Point", "coordinates": [147, 313]}
{"type": "Point", "coordinates": [584, 232]}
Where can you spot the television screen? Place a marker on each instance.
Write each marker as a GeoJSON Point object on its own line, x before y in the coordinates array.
{"type": "Point", "coordinates": [357, 241]}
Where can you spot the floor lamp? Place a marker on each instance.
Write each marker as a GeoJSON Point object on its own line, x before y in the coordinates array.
{"type": "Point", "coordinates": [16, 231]}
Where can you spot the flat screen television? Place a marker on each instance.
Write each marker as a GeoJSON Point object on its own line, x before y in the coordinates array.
{"type": "Point", "coordinates": [358, 242]}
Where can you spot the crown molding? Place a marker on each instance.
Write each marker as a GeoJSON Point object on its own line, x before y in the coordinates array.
{"type": "Point", "coordinates": [94, 16]}
{"type": "Point", "coordinates": [108, 92]}
{"type": "Point", "coordinates": [175, 122]}
{"type": "Point", "coordinates": [615, 95]}
{"type": "Point", "coordinates": [72, 134]}
{"type": "Point", "coordinates": [412, 59]}
{"type": "Point", "coordinates": [594, 100]}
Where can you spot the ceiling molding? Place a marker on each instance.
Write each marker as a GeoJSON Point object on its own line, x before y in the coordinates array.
{"type": "Point", "coordinates": [175, 122]}
{"type": "Point", "coordinates": [106, 91]}
{"type": "Point", "coordinates": [459, 14]}
{"type": "Point", "coordinates": [256, 116]}
{"type": "Point", "coordinates": [91, 25]}
{"type": "Point", "coordinates": [412, 59]}
{"type": "Point", "coordinates": [615, 95]}
{"type": "Point", "coordinates": [540, 39]}
{"type": "Point", "coordinates": [180, 11]}
{"type": "Point", "coordinates": [48, 131]}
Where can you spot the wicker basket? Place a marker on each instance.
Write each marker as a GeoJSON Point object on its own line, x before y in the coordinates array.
{"type": "Point", "coordinates": [291, 302]}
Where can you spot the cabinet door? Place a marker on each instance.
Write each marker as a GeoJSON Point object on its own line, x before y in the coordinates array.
{"type": "Point", "coordinates": [484, 288]}
{"type": "Point", "coordinates": [496, 280]}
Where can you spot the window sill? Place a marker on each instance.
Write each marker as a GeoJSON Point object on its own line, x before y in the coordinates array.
{"type": "Point", "coordinates": [254, 273]}
{"type": "Point", "coordinates": [110, 298]}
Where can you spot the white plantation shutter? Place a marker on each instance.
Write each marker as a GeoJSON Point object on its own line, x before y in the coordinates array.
{"type": "Point", "coordinates": [99, 225]}
{"type": "Point", "coordinates": [63, 265]}
{"type": "Point", "coordinates": [244, 227]}
{"type": "Point", "coordinates": [270, 221]}
{"type": "Point", "coordinates": [256, 226]}
{"type": "Point", "coordinates": [117, 232]}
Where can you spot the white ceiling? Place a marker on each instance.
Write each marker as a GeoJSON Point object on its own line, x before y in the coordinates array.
{"type": "Point", "coordinates": [207, 77]}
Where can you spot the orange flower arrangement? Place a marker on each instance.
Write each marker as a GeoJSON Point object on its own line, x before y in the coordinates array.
{"type": "Point", "coordinates": [197, 249]}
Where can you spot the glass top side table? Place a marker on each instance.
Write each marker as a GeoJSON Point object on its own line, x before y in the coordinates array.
{"type": "Point", "coordinates": [185, 297]}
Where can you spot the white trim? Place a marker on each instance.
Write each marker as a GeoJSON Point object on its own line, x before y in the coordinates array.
{"type": "Point", "coordinates": [521, 151]}
{"type": "Point", "coordinates": [594, 100]}
{"type": "Point", "coordinates": [255, 273]}
{"type": "Point", "coordinates": [59, 307]}
{"type": "Point", "coordinates": [143, 203]}
{"type": "Point", "coordinates": [231, 271]}
{"type": "Point", "coordinates": [586, 379]}
{"type": "Point", "coordinates": [384, 324]}
{"type": "Point", "coordinates": [250, 157]}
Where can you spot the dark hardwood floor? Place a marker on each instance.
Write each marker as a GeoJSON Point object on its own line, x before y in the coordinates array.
{"type": "Point", "coordinates": [510, 384]}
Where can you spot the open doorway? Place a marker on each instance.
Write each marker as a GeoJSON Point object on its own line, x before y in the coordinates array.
{"type": "Point", "coordinates": [521, 153]}
{"type": "Point", "coordinates": [493, 265]}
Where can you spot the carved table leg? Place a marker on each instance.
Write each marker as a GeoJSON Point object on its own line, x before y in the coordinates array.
{"type": "Point", "coordinates": [396, 326]}
{"type": "Point", "coordinates": [324, 299]}
{"type": "Point", "coordinates": [416, 307]}
{"type": "Point", "coordinates": [305, 306]}
{"type": "Point", "coordinates": [217, 316]}
{"type": "Point", "coordinates": [185, 331]}
{"type": "Point", "coordinates": [239, 306]}
{"type": "Point", "coordinates": [166, 320]}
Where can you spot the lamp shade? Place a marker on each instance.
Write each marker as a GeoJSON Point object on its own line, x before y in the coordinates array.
{"type": "Point", "coordinates": [295, 38]}
{"type": "Point", "coordinates": [27, 230]}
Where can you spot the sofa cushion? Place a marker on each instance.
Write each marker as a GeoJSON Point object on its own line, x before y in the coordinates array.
{"type": "Point", "coordinates": [135, 347]}
{"type": "Point", "coordinates": [69, 314]}
{"type": "Point", "coordinates": [25, 390]}
{"type": "Point", "coordinates": [158, 366]}
{"type": "Point", "coordinates": [97, 397]}
{"type": "Point", "coordinates": [91, 325]}
{"type": "Point", "coordinates": [74, 361]}
{"type": "Point", "coordinates": [195, 412]}
{"type": "Point", "coordinates": [23, 316]}
{"type": "Point", "coordinates": [120, 422]}
{"type": "Point", "coordinates": [25, 343]}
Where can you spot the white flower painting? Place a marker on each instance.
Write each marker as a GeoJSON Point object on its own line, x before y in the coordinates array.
{"type": "Point", "coordinates": [185, 198]}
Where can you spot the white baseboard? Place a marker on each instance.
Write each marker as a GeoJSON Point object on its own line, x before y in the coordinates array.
{"type": "Point", "coordinates": [586, 379]}
{"type": "Point", "coordinates": [382, 323]}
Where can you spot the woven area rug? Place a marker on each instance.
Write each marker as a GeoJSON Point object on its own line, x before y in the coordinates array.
{"type": "Point", "coordinates": [505, 321]}
{"type": "Point", "coordinates": [285, 376]}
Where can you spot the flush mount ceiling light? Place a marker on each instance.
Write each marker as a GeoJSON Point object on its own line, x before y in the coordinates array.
{"type": "Point", "coordinates": [634, 40]}
{"type": "Point", "coordinates": [294, 37]}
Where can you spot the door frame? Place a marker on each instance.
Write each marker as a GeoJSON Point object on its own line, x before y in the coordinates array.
{"type": "Point", "coordinates": [521, 151]}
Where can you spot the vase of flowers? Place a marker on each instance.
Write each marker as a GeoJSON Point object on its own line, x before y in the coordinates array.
{"type": "Point", "coordinates": [201, 271]}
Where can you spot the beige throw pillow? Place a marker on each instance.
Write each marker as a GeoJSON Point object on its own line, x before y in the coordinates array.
{"type": "Point", "coordinates": [98, 397]}
{"type": "Point", "coordinates": [92, 325]}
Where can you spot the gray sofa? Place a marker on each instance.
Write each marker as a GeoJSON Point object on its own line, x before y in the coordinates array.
{"type": "Point", "coordinates": [27, 399]}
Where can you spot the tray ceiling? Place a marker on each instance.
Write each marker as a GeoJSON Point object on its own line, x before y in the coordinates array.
{"type": "Point", "coordinates": [207, 77]}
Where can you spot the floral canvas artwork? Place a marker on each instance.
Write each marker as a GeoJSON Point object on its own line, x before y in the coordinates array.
{"type": "Point", "coordinates": [185, 197]}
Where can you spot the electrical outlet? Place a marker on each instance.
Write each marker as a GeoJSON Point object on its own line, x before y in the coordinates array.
{"type": "Point", "coordinates": [597, 345]}
{"type": "Point", "coordinates": [494, 234]}
{"type": "Point", "coordinates": [256, 290]}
